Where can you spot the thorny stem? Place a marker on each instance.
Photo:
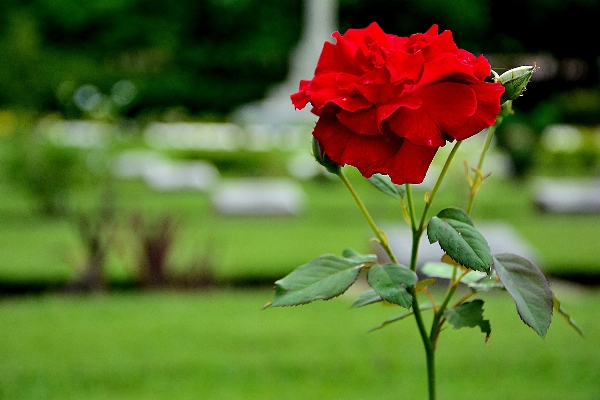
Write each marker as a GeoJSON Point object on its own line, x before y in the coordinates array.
{"type": "Point", "coordinates": [478, 178]}
{"type": "Point", "coordinates": [429, 340]}
{"type": "Point", "coordinates": [429, 350]}
{"type": "Point", "coordinates": [411, 208]}
{"type": "Point", "coordinates": [437, 185]}
{"type": "Point", "coordinates": [439, 314]}
{"type": "Point", "coordinates": [417, 232]}
{"type": "Point", "coordinates": [383, 241]}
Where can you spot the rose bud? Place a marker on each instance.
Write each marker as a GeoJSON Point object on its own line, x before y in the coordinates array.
{"type": "Point", "coordinates": [515, 81]}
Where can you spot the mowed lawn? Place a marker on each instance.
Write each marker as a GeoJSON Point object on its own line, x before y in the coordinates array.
{"type": "Point", "coordinates": [220, 345]}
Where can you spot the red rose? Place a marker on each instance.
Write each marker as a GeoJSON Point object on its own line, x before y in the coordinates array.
{"type": "Point", "coordinates": [387, 103]}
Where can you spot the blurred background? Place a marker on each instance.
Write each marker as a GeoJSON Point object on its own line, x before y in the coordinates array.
{"type": "Point", "coordinates": [155, 177]}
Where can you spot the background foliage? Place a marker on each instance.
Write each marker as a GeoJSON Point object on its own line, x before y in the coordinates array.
{"type": "Point", "coordinates": [204, 58]}
{"type": "Point", "coordinates": [212, 55]}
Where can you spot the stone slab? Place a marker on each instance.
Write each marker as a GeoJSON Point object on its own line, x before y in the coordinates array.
{"type": "Point", "coordinates": [259, 196]}
{"type": "Point", "coordinates": [501, 237]}
{"type": "Point", "coordinates": [568, 196]}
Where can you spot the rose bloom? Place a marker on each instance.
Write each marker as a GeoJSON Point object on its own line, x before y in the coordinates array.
{"type": "Point", "coordinates": [387, 103]}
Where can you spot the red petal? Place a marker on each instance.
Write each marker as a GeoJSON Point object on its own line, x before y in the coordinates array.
{"type": "Point", "coordinates": [369, 121]}
{"type": "Point", "coordinates": [391, 155]}
{"type": "Point", "coordinates": [325, 89]}
{"type": "Point", "coordinates": [488, 107]}
{"type": "Point", "coordinates": [361, 121]}
{"type": "Point", "coordinates": [416, 126]}
{"type": "Point", "coordinates": [378, 35]}
{"type": "Point", "coordinates": [346, 147]}
{"type": "Point", "coordinates": [410, 101]}
{"type": "Point", "coordinates": [445, 110]}
{"type": "Point", "coordinates": [301, 98]}
{"type": "Point", "coordinates": [351, 45]}
{"type": "Point", "coordinates": [332, 59]}
{"type": "Point", "coordinates": [447, 66]}
{"type": "Point", "coordinates": [397, 42]}
{"type": "Point", "coordinates": [481, 67]}
{"type": "Point", "coordinates": [369, 92]}
{"type": "Point", "coordinates": [449, 105]}
{"type": "Point", "coordinates": [415, 43]}
{"type": "Point", "coordinates": [439, 46]}
{"type": "Point", "coordinates": [376, 76]}
{"type": "Point", "coordinates": [370, 83]}
{"type": "Point", "coordinates": [410, 163]}
{"type": "Point", "coordinates": [433, 30]}
{"type": "Point", "coordinates": [405, 65]}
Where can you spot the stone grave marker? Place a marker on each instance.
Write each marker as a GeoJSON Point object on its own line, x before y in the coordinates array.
{"type": "Point", "coordinates": [568, 196]}
{"type": "Point", "coordinates": [501, 237]}
{"type": "Point", "coordinates": [259, 196]}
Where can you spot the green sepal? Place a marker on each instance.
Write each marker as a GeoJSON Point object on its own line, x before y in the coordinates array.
{"type": "Point", "coordinates": [323, 278]}
{"type": "Point", "coordinates": [469, 314]}
{"type": "Point", "coordinates": [323, 159]}
{"type": "Point", "coordinates": [391, 281]}
{"type": "Point", "coordinates": [454, 231]}
{"type": "Point", "coordinates": [385, 184]}
{"type": "Point", "coordinates": [515, 81]}
{"type": "Point", "coordinates": [529, 288]}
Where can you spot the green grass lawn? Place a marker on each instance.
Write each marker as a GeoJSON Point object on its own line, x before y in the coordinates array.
{"type": "Point", "coordinates": [220, 345]}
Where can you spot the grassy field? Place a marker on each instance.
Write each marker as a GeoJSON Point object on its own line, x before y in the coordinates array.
{"type": "Point", "coordinates": [49, 249]}
{"type": "Point", "coordinates": [217, 344]}
{"type": "Point", "coordinates": [220, 345]}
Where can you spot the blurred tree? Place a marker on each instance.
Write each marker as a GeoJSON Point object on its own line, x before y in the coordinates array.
{"type": "Point", "coordinates": [209, 56]}
{"type": "Point", "coordinates": [47, 172]}
{"type": "Point", "coordinates": [469, 20]}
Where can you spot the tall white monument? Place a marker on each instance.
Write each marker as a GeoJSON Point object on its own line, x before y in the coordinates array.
{"type": "Point", "coordinates": [320, 20]}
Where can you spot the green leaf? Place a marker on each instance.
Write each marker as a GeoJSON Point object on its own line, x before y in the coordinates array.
{"type": "Point", "coordinates": [359, 258]}
{"type": "Point", "coordinates": [454, 231]}
{"type": "Point", "coordinates": [558, 307]}
{"type": "Point", "coordinates": [470, 315]}
{"type": "Point", "coordinates": [391, 281]}
{"type": "Point", "coordinates": [384, 183]}
{"type": "Point", "coordinates": [422, 307]}
{"type": "Point", "coordinates": [323, 278]}
{"type": "Point", "coordinates": [529, 288]}
{"type": "Point", "coordinates": [369, 296]}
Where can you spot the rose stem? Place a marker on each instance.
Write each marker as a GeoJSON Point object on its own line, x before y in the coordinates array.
{"type": "Point", "coordinates": [417, 232]}
{"type": "Point", "coordinates": [437, 186]}
{"type": "Point", "coordinates": [505, 111]}
{"type": "Point", "coordinates": [383, 241]}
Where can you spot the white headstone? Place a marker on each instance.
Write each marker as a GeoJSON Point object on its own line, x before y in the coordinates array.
{"type": "Point", "coordinates": [320, 21]}
{"type": "Point", "coordinates": [568, 196]}
{"type": "Point", "coordinates": [259, 196]}
{"type": "Point", "coordinates": [501, 237]}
